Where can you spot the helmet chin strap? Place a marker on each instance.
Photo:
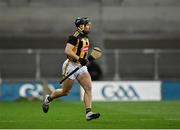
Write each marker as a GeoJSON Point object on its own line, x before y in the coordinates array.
{"type": "Point", "coordinates": [80, 30]}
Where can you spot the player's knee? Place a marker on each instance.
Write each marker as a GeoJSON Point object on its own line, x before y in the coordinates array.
{"type": "Point", "coordinates": [88, 89]}
{"type": "Point", "coordinates": [65, 93]}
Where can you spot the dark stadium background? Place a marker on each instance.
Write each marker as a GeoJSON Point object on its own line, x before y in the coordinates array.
{"type": "Point", "coordinates": [140, 40]}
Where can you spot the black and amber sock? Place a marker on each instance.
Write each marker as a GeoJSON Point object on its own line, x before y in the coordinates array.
{"type": "Point", "coordinates": [88, 110]}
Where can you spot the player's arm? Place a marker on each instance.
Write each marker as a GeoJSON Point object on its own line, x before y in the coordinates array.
{"type": "Point", "coordinates": [69, 51]}
{"type": "Point", "coordinates": [71, 43]}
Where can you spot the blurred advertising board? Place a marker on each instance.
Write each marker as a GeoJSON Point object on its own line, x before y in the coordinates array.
{"type": "Point", "coordinates": [33, 90]}
{"type": "Point", "coordinates": [171, 90]}
{"type": "Point", "coordinates": [126, 91]}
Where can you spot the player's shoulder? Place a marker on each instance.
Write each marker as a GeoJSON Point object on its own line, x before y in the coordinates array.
{"type": "Point", "coordinates": [73, 38]}
{"type": "Point", "coordinates": [76, 34]}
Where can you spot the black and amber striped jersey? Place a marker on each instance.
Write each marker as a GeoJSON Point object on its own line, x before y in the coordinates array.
{"type": "Point", "coordinates": [81, 44]}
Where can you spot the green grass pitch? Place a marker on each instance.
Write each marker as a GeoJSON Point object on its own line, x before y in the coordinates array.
{"type": "Point", "coordinates": [70, 115]}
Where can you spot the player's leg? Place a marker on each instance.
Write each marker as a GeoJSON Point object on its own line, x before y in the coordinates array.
{"type": "Point", "coordinates": [67, 85]}
{"type": "Point", "coordinates": [85, 81]}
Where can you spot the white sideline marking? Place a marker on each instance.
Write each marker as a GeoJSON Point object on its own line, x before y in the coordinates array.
{"type": "Point", "coordinates": [143, 119]}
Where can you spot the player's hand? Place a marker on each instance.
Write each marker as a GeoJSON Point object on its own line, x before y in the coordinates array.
{"type": "Point", "coordinates": [83, 61]}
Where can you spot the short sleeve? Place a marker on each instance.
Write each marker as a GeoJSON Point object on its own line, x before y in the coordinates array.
{"type": "Point", "coordinates": [72, 40]}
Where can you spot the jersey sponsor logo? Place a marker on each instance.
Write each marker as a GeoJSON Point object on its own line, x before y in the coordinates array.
{"type": "Point", "coordinates": [111, 92]}
{"type": "Point", "coordinates": [85, 48]}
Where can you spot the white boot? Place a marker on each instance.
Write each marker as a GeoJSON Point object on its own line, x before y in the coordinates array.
{"type": "Point", "coordinates": [46, 103]}
{"type": "Point", "coordinates": [91, 115]}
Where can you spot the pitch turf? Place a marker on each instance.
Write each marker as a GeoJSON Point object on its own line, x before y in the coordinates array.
{"type": "Point", "coordinates": [28, 114]}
